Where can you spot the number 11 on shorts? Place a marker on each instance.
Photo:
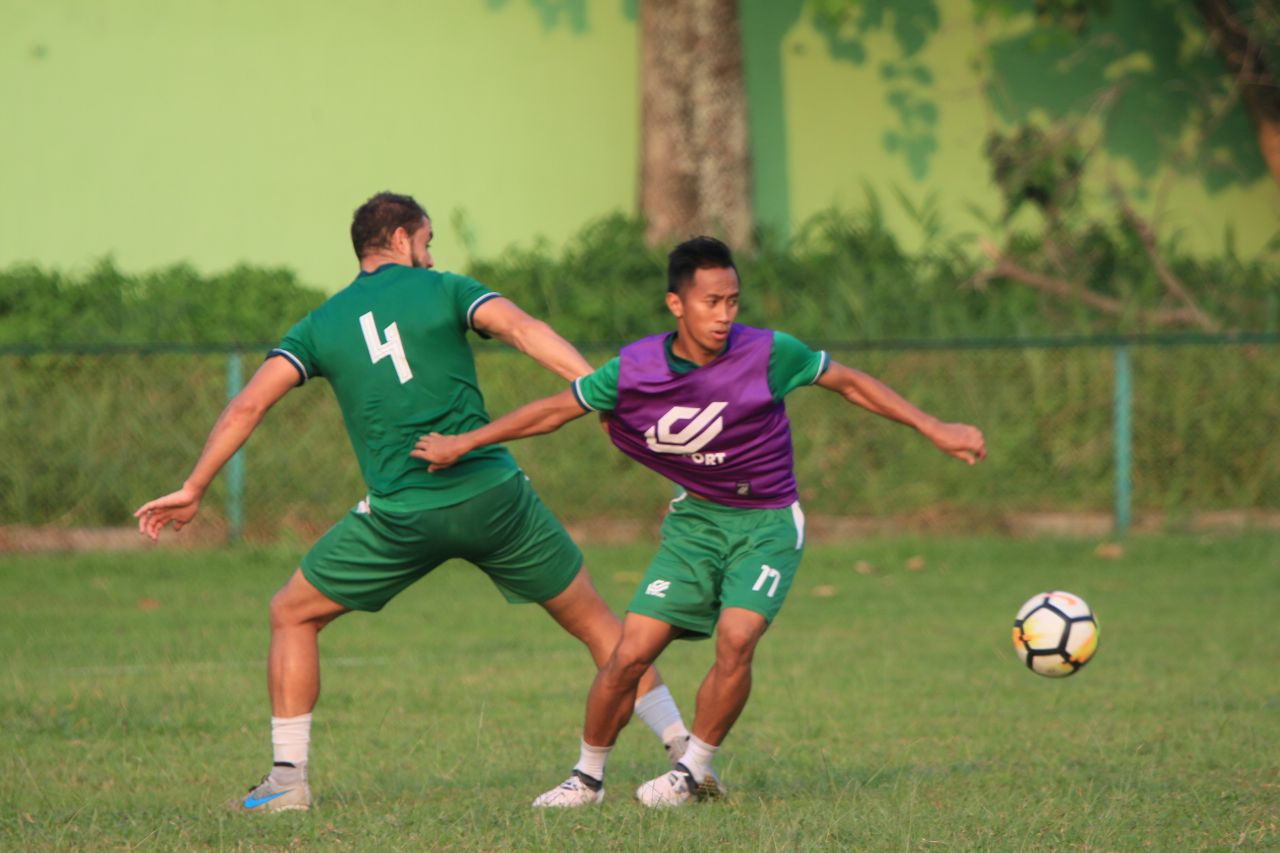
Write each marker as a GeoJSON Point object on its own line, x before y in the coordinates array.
{"type": "Point", "coordinates": [765, 574]}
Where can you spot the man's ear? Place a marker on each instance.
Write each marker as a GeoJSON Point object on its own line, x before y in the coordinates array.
{"type": "Point", "coordinates": [675, 305]}
{"type": "Point", "coordinates": [400, 241]}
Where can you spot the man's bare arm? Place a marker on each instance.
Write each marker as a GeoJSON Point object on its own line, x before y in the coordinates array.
{"type": "Point", "coordinates": [237, 422]}
{"type": "Point", "coordinates": [502, 319]}
{"type": "Point", "coordinates": [536, 418]}
{"type": "Point", "coordinates": [962, 441]}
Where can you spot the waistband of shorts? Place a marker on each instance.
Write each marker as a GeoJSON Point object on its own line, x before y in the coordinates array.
{"type": "Point", "coordinates": [420, 501]}
{"type": "Point", "coordinates": [693, 499]}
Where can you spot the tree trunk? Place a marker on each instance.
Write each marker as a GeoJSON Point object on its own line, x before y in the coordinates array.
{"type": "Point", "coordinates": [1242, 52]}
{"type": "Point", "coordinates": [695, 161]}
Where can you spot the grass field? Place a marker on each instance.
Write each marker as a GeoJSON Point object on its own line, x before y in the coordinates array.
{"type": "Point", "coordinates": [889, 710]}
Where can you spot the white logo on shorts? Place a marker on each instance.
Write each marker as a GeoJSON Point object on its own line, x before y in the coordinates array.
{"type": "Point", "coordinates": [658, 589]}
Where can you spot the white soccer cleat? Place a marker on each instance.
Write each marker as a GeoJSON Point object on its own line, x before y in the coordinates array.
{"type": "Point", "coordinates": [669, 790]}
{"type": "Point", "coordinates": [711, 788]}
{"type": "Point", "coordinates": [578, 790]}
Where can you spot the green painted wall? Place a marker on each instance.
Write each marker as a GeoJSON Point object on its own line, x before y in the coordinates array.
{"type": "Point", "coordinates": [220, 131]}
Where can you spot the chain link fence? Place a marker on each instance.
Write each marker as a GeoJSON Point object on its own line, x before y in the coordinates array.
{"type": "Point", "coordinates": [88, 435]}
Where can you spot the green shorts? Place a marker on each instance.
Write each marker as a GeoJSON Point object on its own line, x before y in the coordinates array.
{"type": "Point", "coordinates": [368, 557]}
{"type": "Point", "coordinates": [714, 556]}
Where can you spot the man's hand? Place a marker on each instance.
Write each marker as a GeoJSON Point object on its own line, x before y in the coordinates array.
{"type": "Point", "coordinates": [179, 507]}
{"type": "Point", "coordinates": [440, 450]}
{"type": "Point", "coordinates": [962, 441]}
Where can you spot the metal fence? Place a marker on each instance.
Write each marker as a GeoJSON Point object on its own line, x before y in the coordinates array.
{"type": "Point", "coordinates": [1135, 431]}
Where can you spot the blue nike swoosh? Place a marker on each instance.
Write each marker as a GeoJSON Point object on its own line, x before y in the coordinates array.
{"type": "Point", "coordinates": [251, 803]}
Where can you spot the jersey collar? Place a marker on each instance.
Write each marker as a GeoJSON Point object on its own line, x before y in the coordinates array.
{"type": "Point", "coordinates": [679, 365]}
{"type": "Point", "coordinates": [364, 274]}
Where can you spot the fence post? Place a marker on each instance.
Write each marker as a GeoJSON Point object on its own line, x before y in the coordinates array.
{"type": "Point", "coordinates": [1122, 424]}
{"type": "Point", "coordinates": [235, 468]}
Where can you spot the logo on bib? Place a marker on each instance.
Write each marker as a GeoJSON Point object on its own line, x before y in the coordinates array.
{"type": "Point", "coordinates": [702, 426]}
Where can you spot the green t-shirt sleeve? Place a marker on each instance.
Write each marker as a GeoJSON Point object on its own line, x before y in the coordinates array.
{"type": "Point", "coordinates": [468, 295]}
{"type": "Point", "coordinates": [792, 364]}
{"type": "Point", "coordinates": [598, 391]}
{"type": "Point", "coordinates": [296, 347]}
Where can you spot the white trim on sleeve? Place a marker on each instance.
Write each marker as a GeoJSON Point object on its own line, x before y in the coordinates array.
{"type": "Point", "coordinates": [471, 312]}
{"type": "Point", "coordinates": [292, 359]}
{"type": "Point", "coordinates": [824, 361]}
{"type": "Point", "coordinates": [578, 395]}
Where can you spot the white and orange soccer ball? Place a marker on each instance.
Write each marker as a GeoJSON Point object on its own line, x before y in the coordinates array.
{"type": "Point", "coordinates": [1055, 634]}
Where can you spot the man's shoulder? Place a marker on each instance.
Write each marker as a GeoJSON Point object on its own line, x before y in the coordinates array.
{"type": "Point", "coordinates": [392, 281]}
{"type": "Point", "coordinates": [400, 276]}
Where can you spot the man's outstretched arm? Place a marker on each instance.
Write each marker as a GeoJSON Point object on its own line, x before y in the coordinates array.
{"type": "Point", "coordinates": [536, 418]}
{"type": "Point", "coordinates": [502, 319]}
{"type": "Point", "coordinates": [237, 422]}
{"type": "Point", "coordinates": [962, 441]}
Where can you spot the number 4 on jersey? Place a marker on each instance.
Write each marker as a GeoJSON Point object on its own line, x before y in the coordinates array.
{"type": "Point", "coordinates": [379, 350]}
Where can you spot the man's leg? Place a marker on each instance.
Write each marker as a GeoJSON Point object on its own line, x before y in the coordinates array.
{"type": "Point", "coordinates": [721, 698]}
{"type": "Point", "coordinates": [724, 691]}
{"type": "Point", "coordinates": [613, 692]}
{"type": "Point", "coordinates": [582, 612]}
{"type": "Point", "coordinates": [298, 612]}
{"type": "Point", "coordinates": [609, 706]}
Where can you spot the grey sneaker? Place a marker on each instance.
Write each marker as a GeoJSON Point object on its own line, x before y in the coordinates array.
{"type": "Point", "coordinates": [711, 788]}
{"type": "Point", "coordinates": [284, 789]}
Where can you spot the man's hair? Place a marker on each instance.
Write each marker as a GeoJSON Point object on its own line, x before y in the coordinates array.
{"type": "Point", "coordinates": [700, 253]}
{"type": "Point", "coordinates": [379, 217]}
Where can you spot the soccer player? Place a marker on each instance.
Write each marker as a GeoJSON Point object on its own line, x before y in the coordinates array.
{"type": "Point", "coordinates": [702, 406]}
{"type": "Point", "coordinates": [393, 346]}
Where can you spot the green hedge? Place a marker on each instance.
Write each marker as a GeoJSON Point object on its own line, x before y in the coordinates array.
{"type": "Point", "coordinates": [843, 277]}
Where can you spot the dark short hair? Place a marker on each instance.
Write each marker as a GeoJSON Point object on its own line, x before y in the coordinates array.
{"type": "Point", "coordinates": [379, 217]}
{"type": "Point", "coordinates": [700, 253]}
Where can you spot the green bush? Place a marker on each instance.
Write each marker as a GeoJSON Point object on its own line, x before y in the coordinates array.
{"type": "Point", "coordinates": [843, 277]}
{"type": "Point", "coordinates": [174, 305]}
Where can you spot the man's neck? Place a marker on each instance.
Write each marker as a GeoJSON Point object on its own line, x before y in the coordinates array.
{"type": "Point", "coordinates": [372, 261]}
{"type": "Point", "coordinates": [695, 354]}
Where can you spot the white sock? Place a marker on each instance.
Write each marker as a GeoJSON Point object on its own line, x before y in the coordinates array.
{"type": "Point", "coordinates": [591, 760]}
{"type": "Point", "coordinates": [697, 758]}
{"type": "Point", "coordinates": [290, 738]}
{"type": "Point", "coordinates": [658, 710]}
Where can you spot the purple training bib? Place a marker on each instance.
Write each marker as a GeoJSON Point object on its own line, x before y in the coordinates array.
{"type": "Point", "coordinates": [716, 430]}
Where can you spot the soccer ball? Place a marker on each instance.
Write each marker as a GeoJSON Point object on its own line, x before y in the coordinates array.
{"type": "Point", "coordinates": [1055, 634]}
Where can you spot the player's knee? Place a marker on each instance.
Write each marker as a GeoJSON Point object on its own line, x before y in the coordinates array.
{"type": "Point", "coordinates": [283, 613]}
{"type": "Point", "coordinates": [627, 665]}
{"type": "Point", "coordinates": [736, 647]}
{"type": "Point", "coordinates": [287, 611]}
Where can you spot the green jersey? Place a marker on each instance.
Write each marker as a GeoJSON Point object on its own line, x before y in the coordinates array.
{"type": "Point", "coordinates": [393, 346]}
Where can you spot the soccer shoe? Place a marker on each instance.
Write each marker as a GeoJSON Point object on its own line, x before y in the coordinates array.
{"type": "Point", "coordinates": [578, 790]}
{"type": "Point", "coordinates": [274, 794]}
{"type": "Point", "coordinates": [674, 788]}
{"type": "Point", "coordinates": [711, 788]}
